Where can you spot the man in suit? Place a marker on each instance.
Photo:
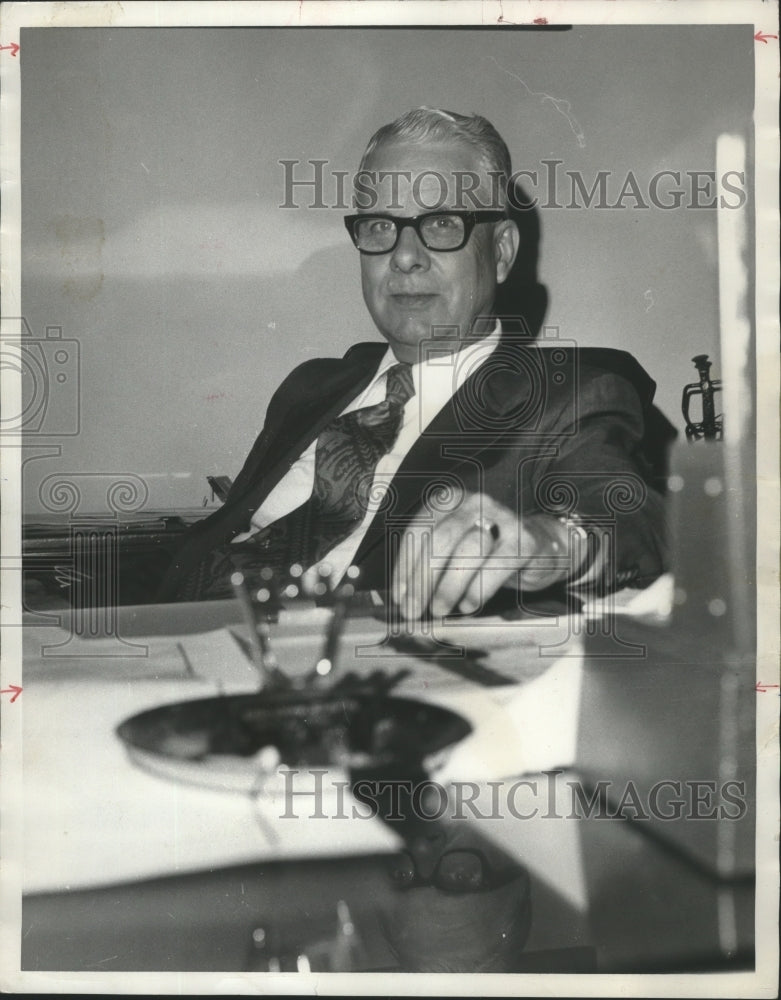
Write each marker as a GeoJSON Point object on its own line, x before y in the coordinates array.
{"type": "Point", "coordinates": [460, 461]}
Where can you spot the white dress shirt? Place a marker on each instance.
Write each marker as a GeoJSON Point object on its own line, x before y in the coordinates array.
{"type": "Point", "coordinates": [436, 379]}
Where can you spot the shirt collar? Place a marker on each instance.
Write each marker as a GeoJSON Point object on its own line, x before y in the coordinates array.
{"type": "Point", "coordinates": [438, 377]}
{"type": "Point", "coordinates": [458, 362]}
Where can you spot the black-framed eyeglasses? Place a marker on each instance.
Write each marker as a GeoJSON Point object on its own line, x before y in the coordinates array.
{"type": "Point", "coordinates": [441, 231]}
{"type": "Point", "coordinates": [457, 871]}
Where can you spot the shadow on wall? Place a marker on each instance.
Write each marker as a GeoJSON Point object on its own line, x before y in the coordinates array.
{"type": "Point", "coordinates": [521, 301]}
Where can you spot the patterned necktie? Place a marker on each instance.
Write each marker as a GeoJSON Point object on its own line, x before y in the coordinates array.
{"type": "Point", "coordinates": [347, 453]}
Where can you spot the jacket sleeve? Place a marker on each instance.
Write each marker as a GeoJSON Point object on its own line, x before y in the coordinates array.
{"type": "Point", "coordinates": [602, 472]}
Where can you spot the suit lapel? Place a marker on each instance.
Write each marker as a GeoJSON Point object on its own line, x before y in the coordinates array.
{"type": "Point", "coordinates": [318, 392]}
{"type": "Point", "coordinates": [326, 386]}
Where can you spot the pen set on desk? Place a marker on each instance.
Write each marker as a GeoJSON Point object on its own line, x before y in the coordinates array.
{"type": "Point", "coordinates": [261, 609]}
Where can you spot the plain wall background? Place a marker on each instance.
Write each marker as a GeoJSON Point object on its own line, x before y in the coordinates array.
{"type": "Point", "coordinates": [152, 231]}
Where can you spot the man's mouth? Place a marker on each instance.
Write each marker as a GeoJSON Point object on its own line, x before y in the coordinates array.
{"type": "Point", "coordinates": [413, 300]}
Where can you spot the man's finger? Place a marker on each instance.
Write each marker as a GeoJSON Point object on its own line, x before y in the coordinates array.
{"type": "Point", "coordinates": [462, 573]}
{"type": "Point", "coordinates": [484, 585]}
{"type": "Point", "coordinates": [406, 589]}
{"type": "Point", "coordinates": [423, 543]}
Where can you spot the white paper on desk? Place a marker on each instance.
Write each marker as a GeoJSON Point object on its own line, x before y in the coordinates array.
{"type": "Point", "coordinates": [652, 604]}
{"type": "Point", "coordinates": [517, 730]}
{"type": "Point", "coordinates": [92, 816]}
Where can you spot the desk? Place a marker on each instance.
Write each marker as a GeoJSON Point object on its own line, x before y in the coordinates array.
{"type": "Point", "coordinates": [117, 859]}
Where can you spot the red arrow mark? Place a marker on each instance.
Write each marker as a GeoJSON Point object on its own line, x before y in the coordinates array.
{"type": "Point", "coordinates": [13, 47]}
{"type": "Point", "coordinates": [761, 687]}
{"type": "Point", "coordinates": [16, 691]}
{"type": "Point", "coordinates": [762, 37]}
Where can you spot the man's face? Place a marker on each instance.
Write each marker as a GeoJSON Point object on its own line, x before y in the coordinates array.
{"type": "Point", "coordinates": [474, 927]}
{"type": "Point", "coordinates": [411, 289]}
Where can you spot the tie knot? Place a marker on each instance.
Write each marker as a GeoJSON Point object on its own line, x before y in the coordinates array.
{"type": "Point", "coordinates": [399, 384]}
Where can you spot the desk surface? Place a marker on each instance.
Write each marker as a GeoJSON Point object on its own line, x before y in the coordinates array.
{"type": "Point", "coordinates": [97, 823]}
{"type": "Point", "coordinates": [79, 782]}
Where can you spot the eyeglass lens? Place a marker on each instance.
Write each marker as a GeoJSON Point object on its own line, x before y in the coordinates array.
{"type": "Point", "coordinates": [460, 870]}
{"type": "Point", "coordinates": [456, 870]}
{"type": "Point", "coordinates": [438, 232]}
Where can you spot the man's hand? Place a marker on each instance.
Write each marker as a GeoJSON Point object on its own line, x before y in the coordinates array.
{"type": "Point", "coordinates": [457, 560]}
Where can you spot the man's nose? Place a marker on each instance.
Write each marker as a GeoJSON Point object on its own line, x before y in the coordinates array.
{"type": "Point", "coordinates": [409, 254]}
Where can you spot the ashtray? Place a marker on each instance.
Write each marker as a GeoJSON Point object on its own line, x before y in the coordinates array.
{"type": "Point", "coordinates": [230, 742]}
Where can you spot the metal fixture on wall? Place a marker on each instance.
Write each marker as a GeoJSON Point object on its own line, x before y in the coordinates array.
{"type": "Point", "coordinates": [711, 425]}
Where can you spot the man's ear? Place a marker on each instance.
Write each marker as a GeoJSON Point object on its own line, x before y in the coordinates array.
{"type": "Point", "coordinates": [507, 239]}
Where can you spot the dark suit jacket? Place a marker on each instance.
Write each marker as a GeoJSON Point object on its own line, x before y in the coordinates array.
{"type": "Point", "coordinates": [555, 429]}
